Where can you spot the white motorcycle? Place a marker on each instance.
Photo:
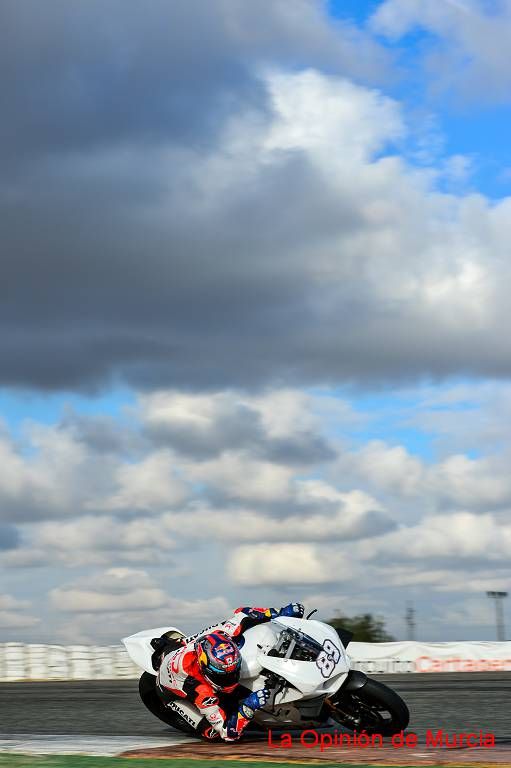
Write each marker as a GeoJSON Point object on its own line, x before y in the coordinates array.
{"type": "Point", "coordinates": [305, 665]}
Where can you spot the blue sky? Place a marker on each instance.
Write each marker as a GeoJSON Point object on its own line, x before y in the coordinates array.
{"type": "Point", "coordinates": [476, 129]}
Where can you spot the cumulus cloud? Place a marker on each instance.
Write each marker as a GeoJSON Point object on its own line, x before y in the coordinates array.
{"type": "Point", "coordinates": [97, 540]}
{"type": "Point", "coordinates": [454, 538]}
{"type": "Point", "coordinates": [117, 589]}
{"type": "Point", "coordinates": [371, 520]}
{"type": "Point", "coordinates": [338, 517]}
{"type": "Point", "coordinates": [119, 601]}
{"type": "Point", "coordinates": [280, 564]}
{"type": "Point", "coordinates": [13, 616]}
{"type": "Point", "coordinates": [57, 475]}
{"type": "Point", "coordinates": [280, 426]}
{"type": "Point", "coordinates": [148, 485]}
{"type": "Point", "coordinates": [51, 472]}
{"type": "Point", "coordinates": [454, 482]}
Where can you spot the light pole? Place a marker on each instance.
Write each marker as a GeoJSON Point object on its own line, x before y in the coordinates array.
{"type": "Point", "coordinates": [410, 620]}
{"type": "Point", "coordinates": [499, 613]}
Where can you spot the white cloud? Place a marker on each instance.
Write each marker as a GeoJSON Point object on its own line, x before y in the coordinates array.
{"type": "Point", "coordinates": [470, 57]}
{"type": "Point", "coordinates": [354, 123]}
{"type": "Point", "coordinates": [125, 600]}
{"type": "Point", "coordinates": [240, 477]}
{"type": "Point", "coordinates": [345, 516]}
{"type": "Point", "coordinates": [256, 523]}
{"type": "Point", "coordinates": [10, 620]}
{"type": "Point", "coordinates": [148, 485]}
{"type": "Point", "coordinates": [385, 467]}
{"type": "Point", "coordinates": [115, 590]}
{"type": "Point", "coordinates": [281, 564]}
{"type": "Point", "coordinates": [50, 478]}
{"type": "Point", "coordinates": [8, 601]}
{"type": "Point", "coordinates": [13, 616]}
{"type": "Point", "coordinates": [453, 537]}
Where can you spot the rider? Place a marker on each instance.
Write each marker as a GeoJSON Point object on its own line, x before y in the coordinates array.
{"type": "Point", "coordinates": [200, 667]}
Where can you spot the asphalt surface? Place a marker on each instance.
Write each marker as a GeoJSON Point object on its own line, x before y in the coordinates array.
{"type": "Point", "coordinates": [455, 702]}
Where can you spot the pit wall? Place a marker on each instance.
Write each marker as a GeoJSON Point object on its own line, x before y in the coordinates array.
{"type": "Point", "coordinates": [81, 662]}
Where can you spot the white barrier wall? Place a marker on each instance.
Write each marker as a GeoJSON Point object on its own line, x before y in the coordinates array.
{"type": "Point", "coordinates": [58, 662]}
{"type": "Point", "coordinates": [378, 658]}
{"type": "Point", "coordinates": [83, 662]}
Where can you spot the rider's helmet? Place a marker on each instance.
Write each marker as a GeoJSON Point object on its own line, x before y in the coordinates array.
{"type": "Point", "coordinates": [219, 661]}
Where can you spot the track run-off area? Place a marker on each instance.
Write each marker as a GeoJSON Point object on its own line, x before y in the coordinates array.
{"type": "Point", "coordinates": [107, 718]}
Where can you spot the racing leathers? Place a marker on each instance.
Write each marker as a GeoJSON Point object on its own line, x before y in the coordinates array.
{"type": "Point", "coordinates": [180, 676]}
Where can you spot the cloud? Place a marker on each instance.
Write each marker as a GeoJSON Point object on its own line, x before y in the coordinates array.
{"type": "Point", "coordinates": [101, 539]}
{"type": "Point", "coordinates": [290, 245]}
{"type": "Point", "coordinates": [57, 474]}
{"type": "Point", "coordinates": [160, 73]}
{"type": "Point", "coordinates": [279, 564]}
{"type": "Point", "coordinates": [338, 516]}
{"type": "Point", "coordinates": [12, 616]}
{"type": "Point", "coordinates": [375, 518]}
{"type": "Point", "coordinates": [468, 58]}
{"type": "Point", "coordinates": [117, 590]}
{"type": "Point", "coordinates": [127, 600]}
{"type": "Point", "coordinates": [50, 471]}
{"type": "Point", "coordinates": [458, 537]}
{"type": "Point", "coordinates": [204, 426]}
{"type": "Point", "coordinates": [454, 482]}
{"type": "Point", "coordinates": [148, 485]}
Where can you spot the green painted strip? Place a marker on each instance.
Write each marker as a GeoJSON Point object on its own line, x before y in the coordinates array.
{"type": "Point", "coordinates": [85, 761]}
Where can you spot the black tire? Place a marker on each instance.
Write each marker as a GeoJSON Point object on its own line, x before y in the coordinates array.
{"type": "Point", "coordinates": [149, 696]}
{"type": "Point", "coordinates": [374, 707]}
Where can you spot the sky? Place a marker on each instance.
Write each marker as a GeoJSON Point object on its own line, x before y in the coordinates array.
{"type": "Point", "coordinates": [254, 261]}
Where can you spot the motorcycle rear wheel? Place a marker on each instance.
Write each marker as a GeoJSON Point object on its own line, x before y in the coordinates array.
{"type": "Point", "coordinates": [374, 707]}
{"type": "Point", "coordinates": [149, 696]}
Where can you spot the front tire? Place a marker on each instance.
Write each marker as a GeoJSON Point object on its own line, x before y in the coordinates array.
{"type": "Point", "coordinates": [374, 707]}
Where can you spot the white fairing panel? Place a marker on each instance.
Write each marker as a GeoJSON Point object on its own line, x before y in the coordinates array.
{"type": "Point", "coordinates": [140, 649]}
{"type": "Point", "coordinates": [308, 678]}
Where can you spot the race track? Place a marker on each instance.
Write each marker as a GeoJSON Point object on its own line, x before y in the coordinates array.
{"type": "Point", "coordinates": [454, 702]}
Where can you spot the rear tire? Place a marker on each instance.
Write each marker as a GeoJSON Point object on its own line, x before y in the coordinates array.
{"type": "Point", "coordinates": [374, 707]}
{"type": "Point", "coordinates": [149, 696]}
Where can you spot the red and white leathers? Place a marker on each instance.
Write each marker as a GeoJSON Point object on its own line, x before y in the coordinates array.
{"type": "Point", "coordinates": [180, 675]}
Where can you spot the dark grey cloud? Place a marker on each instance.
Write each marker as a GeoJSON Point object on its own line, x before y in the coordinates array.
{"type": "Point", "coordinates": [94, 284]}
{"type": "Point", "coordinates": [97, 73]}
{"type": "Point", "coordinates": [130, 252]}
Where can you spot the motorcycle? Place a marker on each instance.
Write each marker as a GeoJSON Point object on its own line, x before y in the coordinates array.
{"type": "Point", "coordinates": [303, 662]}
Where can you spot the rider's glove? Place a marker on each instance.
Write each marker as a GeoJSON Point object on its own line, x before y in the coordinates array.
{"type": "Point", "coordinates": [233, 728]}
{"type": "Point", "coordinates": [294, 610]}
{"type": "Point", "coordinates": [237, 723]}
{"type": "Point", "coordinates": [256, 700]}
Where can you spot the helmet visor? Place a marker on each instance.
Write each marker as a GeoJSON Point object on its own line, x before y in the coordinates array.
{"type": "Point", "coordinates": [222, 679]}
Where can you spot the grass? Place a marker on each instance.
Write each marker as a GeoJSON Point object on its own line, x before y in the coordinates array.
{"type": "Point", "coordinates": [86, 761]}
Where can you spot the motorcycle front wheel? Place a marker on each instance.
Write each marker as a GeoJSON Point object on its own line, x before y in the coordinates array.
{"type": "Point", "coordinates": [374, 707]}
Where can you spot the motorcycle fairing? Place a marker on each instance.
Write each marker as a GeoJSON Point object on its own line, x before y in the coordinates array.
{"type": "Point", "coordinates": [305, 678]}
{"type": "Point", "coordinates": [139, 646]}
